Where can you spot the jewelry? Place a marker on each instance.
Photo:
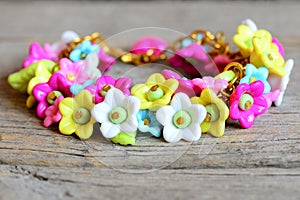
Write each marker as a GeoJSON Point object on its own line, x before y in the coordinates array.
{"type": "Point", "coordinates": [65, 82]}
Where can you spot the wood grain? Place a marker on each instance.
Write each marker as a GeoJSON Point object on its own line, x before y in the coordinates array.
{"type": "Point", "coordinates": [38, 163]}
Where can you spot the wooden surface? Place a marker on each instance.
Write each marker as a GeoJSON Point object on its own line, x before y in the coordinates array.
{"type": "Point", "coordinates": [262, 162]}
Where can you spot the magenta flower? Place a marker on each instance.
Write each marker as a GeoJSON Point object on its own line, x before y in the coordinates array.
{"type": "Point", "coordinates": [52, 113]}
{"type": "Point", "coordinates": [47, 93]}
{"type": "Point", "coordinates": [143, 45]}
{"type": "Point", "coordinates": [247, 102]}
{"type": "Point", "coordinates": [37, 53]}
{"type": "Point", "coordinates": [105, 83]}
{"type": "Point", "coordinates": [105, 61]}
{"type": "Point", "coordinates": [279, 45]}
{"type": "Point", "coordinates": [185, 85]}
{"type": "Point", "coordinates": [209, 82]}
{"type": "Point", "coordinates": [194, 60]}
{"type": "Point", "coordinates": [73, 72]}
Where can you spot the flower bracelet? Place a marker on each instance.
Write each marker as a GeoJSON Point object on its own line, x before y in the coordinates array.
{"type": "Point", "coordinates": [65, 84]}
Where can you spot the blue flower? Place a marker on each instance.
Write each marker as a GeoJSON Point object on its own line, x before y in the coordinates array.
{"type": "Point", "coordinates": [253, 74]}
{"type": "Point", "coordinates": [76, 88]}
{"type": "Point", "coordinates": [83, 50]}
{"type": "Point", "coordinates": [148, 123]}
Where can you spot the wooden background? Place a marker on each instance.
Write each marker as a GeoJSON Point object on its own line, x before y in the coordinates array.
{"type": "Point", "coordinates": [262, 162]}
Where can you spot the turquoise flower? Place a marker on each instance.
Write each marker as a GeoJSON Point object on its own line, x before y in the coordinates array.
{"type": "Point", "coordinates": [76, 88]}
{"type": "Point", "coordinates": [83, 50]}
{"type": "Point", "coordinates": [253, 74]}
{"type": "Point", "coordinates": [148, 123]}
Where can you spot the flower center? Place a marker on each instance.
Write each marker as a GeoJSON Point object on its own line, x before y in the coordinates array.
{"type": "Point", "coordinates": [270, 56]}
{"type": "Point", "coordinates": [118, 115]}
{"type": "Point", "coordinates": [155, 93]}
{"type": "Point", "coordinates": [246, 102]}
{"type": "Point", "coordinates": [146, 122]}
{"type": "Point", "coordinates": [252, 79]}
{"type": "Point", "coordinates": [182, 119]}
{"type": "Point", "coordinates": [82, 116]}
{"type": "Point", "coordinates": [70, 77]}
{"type": "Point", "coordinates": [105, 89]}
{"type": "Point", "coordinates": [213, 113]}
{"type": "Point", "coordinates": [52, 96]}
{"type": "Point", "coordinates": [83, 56]}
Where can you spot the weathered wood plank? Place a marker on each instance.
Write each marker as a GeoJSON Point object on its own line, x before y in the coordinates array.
{"type": "Point", "coordinates": [40, 163]}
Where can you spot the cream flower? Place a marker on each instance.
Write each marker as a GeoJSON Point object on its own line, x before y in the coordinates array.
{"type": "Point", "coordinates": [117, 113]}
{"type": "Point", "coordinates": [181, 119]}
{"type": "Point", "coordinates": [281, 83]}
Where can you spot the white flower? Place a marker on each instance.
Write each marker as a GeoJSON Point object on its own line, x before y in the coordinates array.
{"type": "Point", "coordinates": [280, 83]}
{"type": "Point", "coordinates": [250, 24]}
{"type": "Point", "coordinates": [66, 37]}
{"type": "Point", "coordinates": [91, 66]}
{"type": "Point", "coordinates": [117, 113]}
{"type": "Point", "coordinates": [181, 120]}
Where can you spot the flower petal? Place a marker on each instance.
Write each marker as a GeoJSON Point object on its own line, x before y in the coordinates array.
{"type": "Point", "coordinates": [164, 115]}
{"type": "Point", "coordinates": [171, 133]}
{"type": "Point", "coordinates": [85, 131]}
{"type": "Point", "coordinates": [100, 112]}
{"type": "Point", "coordinates": [67, 126]}
{"type": "Point", "coordinates": [109, 130]}
{"type": "Point", "coordinates": [130, 125]}
{"type": "Point", "coordinates": [66, 106]}
{"type": "Point", "coordinates": [180, 101]}
{"type": "Point", "coordinates": [191, 133]}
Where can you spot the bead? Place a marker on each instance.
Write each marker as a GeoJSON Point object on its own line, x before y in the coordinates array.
{"type": "Point", "coordinates": [118, 115]}
{"type": "Point", "coordinates": [82, 116]}
{"type": "Point", "coordinates": [155, 93]}
{"type": "Point", "coordinates": [182, 119]}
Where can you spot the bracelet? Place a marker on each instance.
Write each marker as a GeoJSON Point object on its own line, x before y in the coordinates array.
{"type": "Point", "coordinates": [66, 84]}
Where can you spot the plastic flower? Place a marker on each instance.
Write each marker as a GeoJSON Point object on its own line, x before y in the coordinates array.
{"type": "Point", "coordinates": [217, 112]}
{"type": "Point", "coordinates": [280, 83]}
{"type": "Point", "coordinates": [147, 122]}
{"type": "Point", "coordinates": [156, 92]}
{"type": "Point", "coordinates": [250, 24]}
{"type": "Point", "coordinates": [266, 54]}
{"type": "Point", "coordinates": [37, 53]}
{"type": "Point", "coordinates": [253, 74]}
{"type": "Point", "coordinates": [66, 37]}
{"type": "Point", "coordinates": [244, 36]}
{"type": "Point", "coordinates": [105, 83]}
{"type": "Point", "coordinates": [143, 45]}
{"type": "Point", "coordinates": [117, 114]}
{"type": "Point", "coordinates": [42, 75]}
{"type": "Point", "coordinates": [76, 88]}
{"type": "Point", "coordinates": [279, 45]}
{"type": "Point", "coordinates": [185, 85]}
{"type": "Point", "coordinates": [83, 50]}
{"type": "Point", "coordinates": [47, 93]}
{"type": "Point", "coordinates": [74, 72]}
{"type": "Point", "coordinates": [247, 102]}
{"type": "Point", "coordinates": [76, 115]}
{"type": "Point", "coordinates": [19, 80]}
{"type": "Point", "coordinates": [105, 61]}
{"type": "Point", "coordinates": [181, 119]}
{"type": "Point", "coordinates": [194, 60]}
{"type": "Point", "coordinates": [209, 82]}
{"type": "Point", "coordinates": [52, 113]}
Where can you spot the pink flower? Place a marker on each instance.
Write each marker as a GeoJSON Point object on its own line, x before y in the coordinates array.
{"type": "Point", "coordinates": [73, 72]}
{"type": "Point", "coordinates": [47, 93]}
{"type": "Point", "coordinates": [105, 83]}
{"type": "Point", "coordinates": [143, 45]}
{"type": "Point", "coordinates": [247, 102]}
{"type": "Point", "coordinates": [37, 53]}
{"type": "Point", "coordinates": [279, 45]}
{"type": "Point", "coordinates": [105, 61]}
{"type": "Point", "coordinates": [209, 82]}
{"type": "Point", "coordinates": [52, 113]}
{"type": "Point", "coordinates": [194, 60]}
{"type": "Point", "coordinates": [185, 85]}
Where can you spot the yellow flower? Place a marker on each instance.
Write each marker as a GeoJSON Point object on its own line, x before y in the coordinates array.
{"type": "Point", "coordinates": [266, 54]}
{"type": "Point", "coordinates": [244, 36]}
{"type": "Point", "coordinates": [41, 75]}
{"type": "Point", "coordinates": [156, 92]}
{"type": "Point", "coordinates": [76, 115]}
{"type": "Point", "coordinates": [217, 112]}
{"type": "Point", "coordinates": [19, 80]}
